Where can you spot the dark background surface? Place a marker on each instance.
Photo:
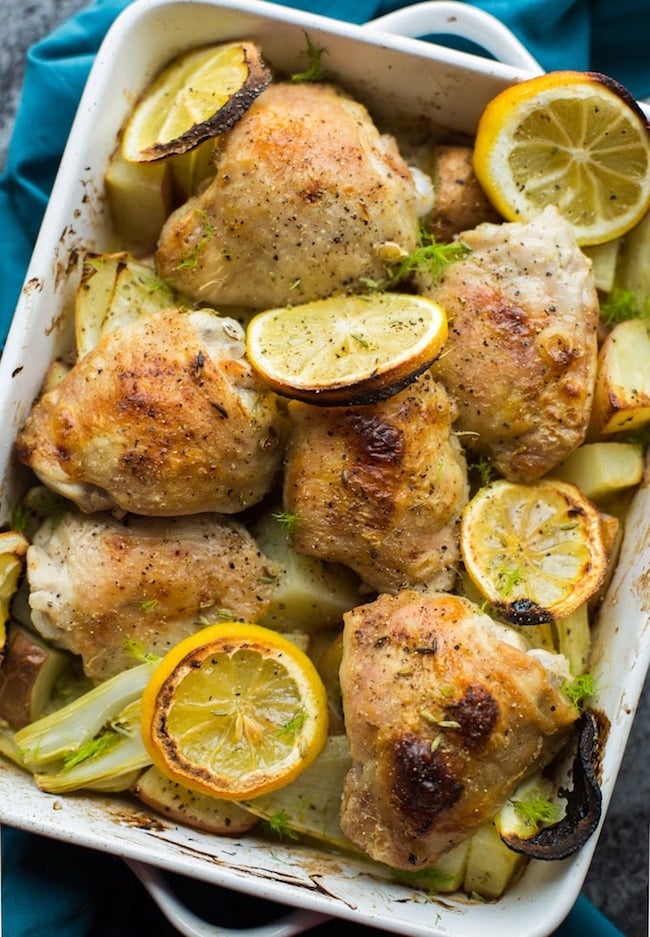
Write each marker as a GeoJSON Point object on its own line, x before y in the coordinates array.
{"type": "Point", "coordinates": [618, 879]}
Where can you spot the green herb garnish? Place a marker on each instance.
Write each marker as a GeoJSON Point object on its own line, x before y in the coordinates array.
{"type": "Point", "coordinates": [620, 305]}
{"type": "Point", "coordinates": [290, 522]}
{"type": "Point", "coordinates": [538, 811]}
{"type": "Point", "coordinates": [428, 257]}
{"type": "Point", "coordinates": [579, 689]}
{"type": "Point", "coordinates": [313, 71]}
{"type": "Point", "coordinates": [91, 749]}
{"type": "Point", "coordinates": [290, 728]}
{"type": "Point", "coordinates": [190, 261]}
{"type": "Point", "coordinates": [278, 823]}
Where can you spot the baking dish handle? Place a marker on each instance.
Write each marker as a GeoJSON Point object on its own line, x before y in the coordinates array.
{"type": "Point", "coordinates": [448, 17]}
{"type": "Point", "coordinates": [191, 925]}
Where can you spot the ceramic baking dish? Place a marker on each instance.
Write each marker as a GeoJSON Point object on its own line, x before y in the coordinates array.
{"type": "Point", "coordinates": [392, 73]}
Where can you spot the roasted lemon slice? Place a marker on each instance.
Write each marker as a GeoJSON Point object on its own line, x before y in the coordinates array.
{"type": "Point", "coordinates": [235, 710]}
{"type": "Point", "coordinates": [346, 349]}
{"type": "Point", "coordinates": [576, 140]}
{"type": "Point", "coordinates": [199, 95]}
{"type": "Point", "coordinates": [536, 552]}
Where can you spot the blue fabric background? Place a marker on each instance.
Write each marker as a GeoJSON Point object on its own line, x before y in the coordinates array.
{"type": "Point", "coordinates": [51, 888]}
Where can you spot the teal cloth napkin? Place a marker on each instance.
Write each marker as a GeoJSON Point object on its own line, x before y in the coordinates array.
{"type": "Point", "coordinates": [52, 888]}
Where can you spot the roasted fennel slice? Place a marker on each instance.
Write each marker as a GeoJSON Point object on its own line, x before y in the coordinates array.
{"type": "Point", "coordinates": [54, 737]}
{"type": "Point", "coordinates": [108, 762]}
{"type": "Point", "coordinates": [311, 805]}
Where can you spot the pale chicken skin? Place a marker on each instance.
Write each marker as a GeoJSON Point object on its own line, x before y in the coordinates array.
{"type": "Point", "coordinates": [520, 359]}
{"type": "Point", "coordinates": [98, 584]}
{"type": "Point", "coordinates": [380, 487]}
{"type": "Point", "coordinates": [445, 714]}
{"type": "Point", "coordinates": [307, 197]}
{"type": "Point", "coordinates": [163, 417]}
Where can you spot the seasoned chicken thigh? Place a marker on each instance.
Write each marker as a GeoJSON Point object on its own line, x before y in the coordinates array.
{"type": "Point", "coordinates": [163, 417]}
{"type": "Point", "coordinates": [307, 195]}
{"type": "Point", "coordinates": [97, 583]}
{"type": "Point", "coordinates": [520, 359]}
{"type": "Point", "coordinates": [380, 487]}
{"type": "Point", "coordinates": [445, 713]}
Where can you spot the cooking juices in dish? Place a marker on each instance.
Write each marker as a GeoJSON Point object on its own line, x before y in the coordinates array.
{"type": "Point", "coordinates": [436, 542]}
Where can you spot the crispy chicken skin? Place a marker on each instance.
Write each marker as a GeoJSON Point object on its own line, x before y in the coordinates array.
{"type": "Point", "coordinates": [444, 716]}
{"type": "Point", "coordinates": [306, 194]}
{"type": "Point", "coordinates": [460, 202]}
{"type": "Point", "coordinates": [520, 359]}
{"type": "Point", "coordinates": [379, 487]}
{"type": "Point", "coordinates": [97, 582]}
{"type": "Point", "coordinates": [163, 417]}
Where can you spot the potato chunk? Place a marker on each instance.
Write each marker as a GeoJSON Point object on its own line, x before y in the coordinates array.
{"type": "Point", "coordinates": [622, 391]}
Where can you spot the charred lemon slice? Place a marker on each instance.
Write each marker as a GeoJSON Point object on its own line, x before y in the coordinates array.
{"type": "Point", "coordinates": [536, 552]}
{"type": "Point", "coordinates": [235, 711]}
{"type": "Point", "coordinates": [576, 140]}
{"type": "Point", "coordinates": [198, 96]}
{"type": "Point", "coordinates": [346, 349]}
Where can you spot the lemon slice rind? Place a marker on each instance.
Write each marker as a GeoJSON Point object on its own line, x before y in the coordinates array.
{"type": "Point", "coordinates": [536, 552]}
{"type": "Point", "coordinates": [576, 140]}
{"type": "Point", "coordinates": [235, 711]}
{"type": "Point", "coordinates": [346, 349]}
{"type": "Point", "coordinates": [198, 96]}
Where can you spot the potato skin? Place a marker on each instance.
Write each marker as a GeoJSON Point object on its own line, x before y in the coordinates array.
{"type": "Point", "coordinates": [29, 670]}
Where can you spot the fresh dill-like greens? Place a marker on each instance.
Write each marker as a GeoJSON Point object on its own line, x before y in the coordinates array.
{"type": "Point", "coordinates": [278, 823]}
{"type": "Point", "coordinates": [508, 579]}
{"type": "Point", "coordinates": [484, 469]}
{"type": "Point", "coordinates": [314, 56]}
{"type": "Point", "coordinates": [428, 257]}
{"type": "Point", "coordinates": [290, 522]}
{"type": "Point", "coordinates": [39, 504]}
{"type": "Point", "coordinates": [135, 649]}
{"type": "Point", "coordinates": [579, 689]}
{"type": "Point", "coordinates": [620, 305]}
{"type": "Point", "coordinates": [91, 749]}
{"type": "Point", "coordinates": [148, 605]}
{"type": "Point", "coordinates": [190, 261]}
{"type": "Point", "coordinates": [538, 811]}
{"type": "Point", "coordinates": [290, 728]}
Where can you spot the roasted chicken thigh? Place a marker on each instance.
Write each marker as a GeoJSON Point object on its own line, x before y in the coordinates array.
{"type": "Point", "coordinates": [379, 487]}
{"type": "Point", "coordinates": [163, 417]}
{"type": "Point", "coordinates": [98, 584]}
{"type": "Point", "coordinates": [520, 359]}
{"type": "Point", "coordinates": [307, 197]}
{"type": "Point", "coordinates": [445, 712]}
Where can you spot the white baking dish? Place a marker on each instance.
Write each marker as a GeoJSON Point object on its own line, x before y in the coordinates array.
{"type": "Point", "coordinates": [450, 89]}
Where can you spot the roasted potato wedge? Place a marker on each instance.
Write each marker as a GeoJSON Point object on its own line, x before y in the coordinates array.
{"type": "Point", "coordinates": [602, 470]}
{"type": "Point", "coordinates": [622, 391]}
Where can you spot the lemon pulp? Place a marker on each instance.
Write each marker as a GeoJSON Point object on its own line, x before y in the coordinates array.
{"type": "Point", "coordinates": [570, 139]}
{"type": "Point", "coordinates": [236, 711]}
{"type": "Point", "coordinates": [346, 348]}
{"type": "Point", "coordinates": [535, 551]}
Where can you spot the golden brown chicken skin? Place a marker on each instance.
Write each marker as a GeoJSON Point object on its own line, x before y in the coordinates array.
{"type": "Point", "coordinates": [307, 193]}
{"type": "Point", "coordinates": [163, 417]}
{"type": "Point", "coordinates": [98, 583]}
{"type": "Point", "coordinates": [444, 716]}
{"type": "Point", "coordinates": [379, 487]}
{"type": "Point", "coordinates": [520, 359]}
